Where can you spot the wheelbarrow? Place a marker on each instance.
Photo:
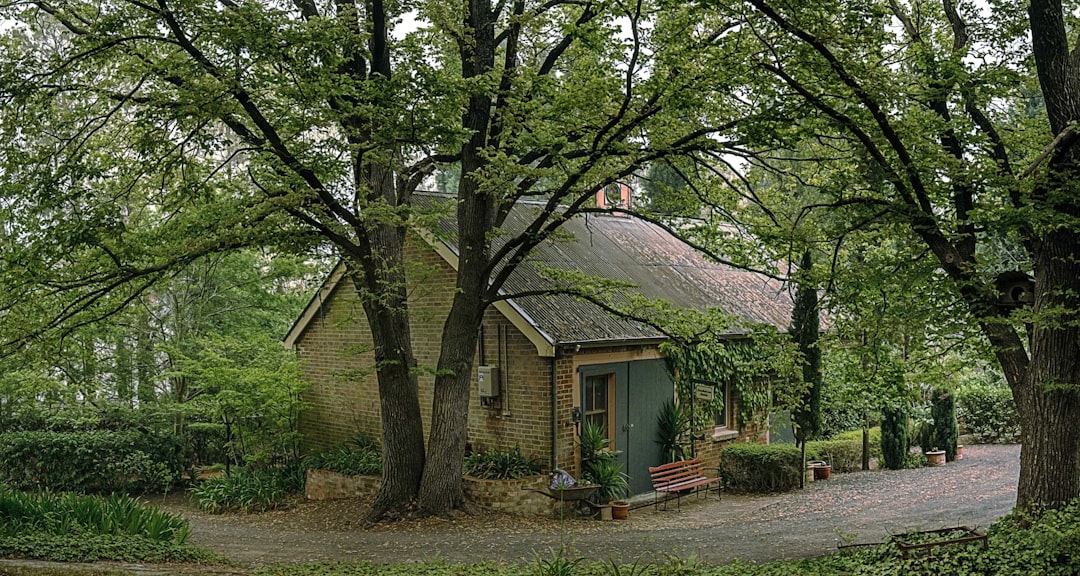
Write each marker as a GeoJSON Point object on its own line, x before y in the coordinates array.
{"type": "Point", "coordinates": [577, 496]}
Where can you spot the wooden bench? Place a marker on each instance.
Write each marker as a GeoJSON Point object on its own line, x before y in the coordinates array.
{"type": "Point", "coordinates": [680, 478]}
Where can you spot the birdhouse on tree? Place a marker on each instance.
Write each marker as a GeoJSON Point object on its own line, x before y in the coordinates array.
{"type": "Point", "coordinates": [1015, 289]}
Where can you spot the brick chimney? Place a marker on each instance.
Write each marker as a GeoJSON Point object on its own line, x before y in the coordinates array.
{"type": "Point", "coordinates": [615, 195]}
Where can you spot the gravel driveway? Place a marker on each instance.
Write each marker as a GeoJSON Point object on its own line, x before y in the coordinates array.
{"type": "Point", "coordinates": [856, 507]}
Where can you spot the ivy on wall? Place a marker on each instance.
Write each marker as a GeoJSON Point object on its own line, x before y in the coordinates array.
{"type": "Point", "coordinates": [760, 370]}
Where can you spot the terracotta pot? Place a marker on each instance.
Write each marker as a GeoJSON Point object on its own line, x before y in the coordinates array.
{"type": "Point", "coordinates": [960, 452]}
{"type": "Point", "coordinates": [620, 509]}
{"type": "Point", "coordinates": [822, 471]}
{"type": "Point", "coordinates": [935, 458]}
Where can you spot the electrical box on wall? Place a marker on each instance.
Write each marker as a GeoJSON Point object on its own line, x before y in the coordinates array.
{"type": "Point", "coordinates": [488, 379]}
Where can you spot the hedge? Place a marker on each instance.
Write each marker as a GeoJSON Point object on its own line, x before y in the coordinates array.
{"type": "Point", "coordinates": [988, 413]}
{"type": "Point", "coordinates": [95, 461]}
{"type": "Point", "coordinates": [761, 467]}
{"type": "Point", "coordinates": [844, 451]}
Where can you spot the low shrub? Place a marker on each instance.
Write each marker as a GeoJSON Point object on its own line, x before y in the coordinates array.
{"type": "Point", "coordinates": [843, 455]}
{"type": "Point", "coordinates": [988, 412]}
{"type": "Point", "coordinates": [205, 444]}
{"type": "Point", "coordinates": [94, 548]}
{"type": "Point", "coordinates": [93, 461]}
{"type": "Point", "coordinates": [856, 436]}
{"type": "Point", "coordinates": [501, 464]}
{"type": "Point", "coordinates": [761, 467]}
{"type": "Point", "coordinates": [844, 451]}
{"type": "Point", "coordinates": [68, 514]}
{"type": "Point", "coordinates": [248, 490]}
{"type": "Point", "coordinates": [347, 460]}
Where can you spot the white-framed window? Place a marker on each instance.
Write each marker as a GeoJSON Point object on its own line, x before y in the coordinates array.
{"type": "Point", "coordinates": [723, 416]}
{"type": "Point", "coordinates": [596, 401]}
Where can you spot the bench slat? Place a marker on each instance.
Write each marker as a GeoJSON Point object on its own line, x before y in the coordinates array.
{"type": "Point", "coordinates": [678, 476]}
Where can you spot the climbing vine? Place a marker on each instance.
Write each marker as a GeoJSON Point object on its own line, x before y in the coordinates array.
{"type": "Point", "coordinates": [760, 370]}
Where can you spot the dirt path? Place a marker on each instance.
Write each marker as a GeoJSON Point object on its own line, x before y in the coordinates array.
{"type": "Point", "coordinates": [862, 507]}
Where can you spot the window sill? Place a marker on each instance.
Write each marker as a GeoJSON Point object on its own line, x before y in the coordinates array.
{"type": "Point", "coordinates": [723, 435]}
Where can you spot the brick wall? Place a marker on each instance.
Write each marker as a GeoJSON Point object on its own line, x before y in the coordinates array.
{"type": "Point", "coordinates": [517, 496]}
{"type": "Point", "coordinates": [709, 449]}
{"type": "Point", "coordinates": [335, 350]}
{"type": "Point", "coordinates": [327, 485]}
{"type": "Point", "coordinates": [511, 496]}
{"type": "Point", "coordinates": [566, 386]}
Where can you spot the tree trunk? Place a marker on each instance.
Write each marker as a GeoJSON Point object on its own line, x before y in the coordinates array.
{"type": "Point", "coordinates": [379, 279]}
{"type": "Point", "coordinates": [399, 403]}
{"type": "Point", "coordinates": [802, 477]}
{"type": "Point", "coordinates": [441, 490]}
{"type": "Point", "coordinates": [1048, 400]}
{"type": "Point", "coordinates": [866, 443]}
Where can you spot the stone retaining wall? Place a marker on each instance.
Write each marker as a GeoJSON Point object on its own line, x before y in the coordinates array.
{"type": "Point", "coordinates": [509, 496]}
{"type": "Point", "coordinates": [327, 485]}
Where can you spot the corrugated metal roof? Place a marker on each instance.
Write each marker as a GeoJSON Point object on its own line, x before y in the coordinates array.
{"type": "Point", "coordinates": [634, 251]}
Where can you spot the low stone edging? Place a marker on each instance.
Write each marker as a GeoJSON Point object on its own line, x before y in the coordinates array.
{"type": "Point", "coordinates": [327, 485]}
{"type": "Point", "coordinates": [509, 496]}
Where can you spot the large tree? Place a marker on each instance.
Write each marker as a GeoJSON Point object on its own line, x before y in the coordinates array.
{"type": "Point", "coordinates": [229, 124]}
{"type": "Point", "coordinates": [942, 122]}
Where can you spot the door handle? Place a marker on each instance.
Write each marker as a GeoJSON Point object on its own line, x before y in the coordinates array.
{"type": "Point", "coordinates": [627, 427]}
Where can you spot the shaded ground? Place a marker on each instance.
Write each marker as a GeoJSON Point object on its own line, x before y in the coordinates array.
{"type": "Point", "coordinates": [862, 506]}
{"type": "Point", "coordinates": [857, 507]}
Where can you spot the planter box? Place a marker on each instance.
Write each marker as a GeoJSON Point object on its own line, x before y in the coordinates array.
{"type": "Point", "coordinates": [511, 496]}
{"type": "Point", "coordinates": [327, 485]}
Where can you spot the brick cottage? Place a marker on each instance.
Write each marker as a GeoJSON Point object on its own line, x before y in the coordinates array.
{"type": "Point", "coordinates": [544, 363]}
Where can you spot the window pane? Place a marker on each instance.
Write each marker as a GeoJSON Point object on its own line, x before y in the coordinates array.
{"type": "Point", "coordinates": [721, 415]}
{"type": "Point", "coordinates": [595, 400]}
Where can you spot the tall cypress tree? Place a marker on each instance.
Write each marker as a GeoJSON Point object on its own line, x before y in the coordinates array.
{"type": "Point", "coordinates": [894, 437]}
{"type": "Point", "coordinates": [945, 430]}
{"type": "Point", "coordinates": [805, 330]}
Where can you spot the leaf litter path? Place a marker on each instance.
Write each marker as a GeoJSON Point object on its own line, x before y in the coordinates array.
{"type": "Point", "coordinates": [856, 507]}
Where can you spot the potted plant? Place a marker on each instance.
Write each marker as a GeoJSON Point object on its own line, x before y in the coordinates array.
{"type": "Point", "coordinates": [599, 465]}
{"type": "Point", "coordinates": [620, 509]}
{"type": "Point", "coordinates": [822, 470]}
{"type": "Point", "coordinates": [935, 457]}
{"type": "Point", "coordinates": [613, 482]}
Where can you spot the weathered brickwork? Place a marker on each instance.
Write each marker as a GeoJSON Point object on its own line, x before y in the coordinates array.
{"type": "Point", "coordinates": [510, 496]}
{"type": "Point", "coordinates": [343, 396]}
{"type": "Point", "coordinates": [567, 393]}
{"type": "Point", "coordinates": [516, 496]}
{"type": "Point", "coordinates": [327, 485]}
{"type": "Point", "coordinates": [709, 448]}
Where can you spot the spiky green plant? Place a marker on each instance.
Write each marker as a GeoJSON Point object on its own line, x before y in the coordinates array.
{"type": "Point", "coordinates": [672, 430]}
{"type": "Point", "coordinates": [67, 514]}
